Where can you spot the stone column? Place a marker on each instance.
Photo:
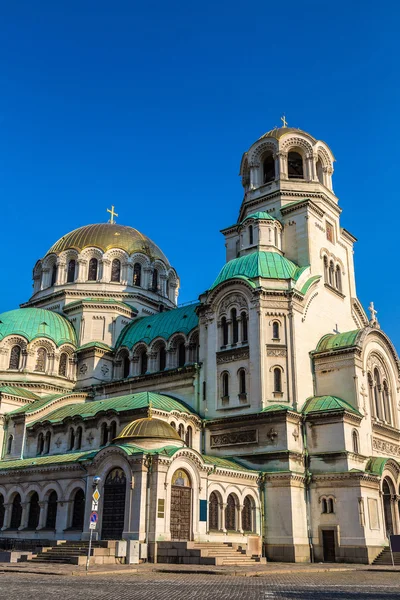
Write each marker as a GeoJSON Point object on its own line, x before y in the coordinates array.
{"type": "Point", "coordinates": [61, 272]}
{"type": "Point", "coordinates": [223, 510]}
{"type": "Point", "coordinates": [253, 177]}
{"type": "Point", "coordinates": [163, 281]}
{"type": "Point", "coordinates": [171, 359]}
{"type": "Point", "coordinates": [7, 515]}
{"type": "Point", "coordinates": [45, 279]}
{"type": "Point", "coordinates": [151, 362]}
{"type": "Point", "coordinates": [230, 337]}
{"type": "Point", "coordinates": [283, 166]}
{"type": "Point", "coordinates": [105, 270]}
{"type": "Point", "coordinates": [395, 514]}
{"type": "Point", "coordinates": [42, 515]}
{"type": "Point", "coordinates": [24, 515]}
{"type": "Point", "coordinates": [81, 274]}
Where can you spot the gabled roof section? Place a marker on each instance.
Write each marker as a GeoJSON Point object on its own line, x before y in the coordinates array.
{"type": "Point", "coordinates": [333, 341]}
{"type": "Point", "coordinates": [87, 410]}
{"type": "Point", "coordinates": [32, 323]}
{"type": "Point", "coordinates": [100, 301]}
{"type": "Point", "coordinates": [45, 461]}
{"type": "Point", "coordinates": [225, 463]}
{"type": "Point", "coordinates": [19, 392]}
{"type": "Point", "coordinates": [41, 403]}
{"type": "Point", "coordinates": [267, 265]}
{"type": "Point", "coordinates": [164, 324]}
{"type": "Point", "coordinates": [260, 215]}
{"type": "Point", "coordinates": [325, 404]}
{"type": "Point", "coordinates": [94, 344]}
{"type": "Point", "coordinates": [277, 407]}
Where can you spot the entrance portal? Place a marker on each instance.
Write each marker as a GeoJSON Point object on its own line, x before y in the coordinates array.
{"type": "Point", "coordinates": [328, 545]}
{"type": "Point", "coordinates": [181, 506]}
{"type": "Point", "coordinates": [114, 505]}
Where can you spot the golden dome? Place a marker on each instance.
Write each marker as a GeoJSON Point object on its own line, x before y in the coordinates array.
{"type": "Point", "coordinates": [108, 235]}
{"type": "Point", "coordinates": [278, 132]}
{"type": "Point", "coordinates": [147, 428]}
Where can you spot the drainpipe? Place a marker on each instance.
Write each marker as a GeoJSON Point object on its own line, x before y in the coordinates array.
{"type": "Point", "coordinates": [148, 463]}
{"type": "Point", "coordinates": [308, 477]}
{"type": "Point", "coordinates": [263, 503]}
{"type": "Point", "coordinates": [23, 440]}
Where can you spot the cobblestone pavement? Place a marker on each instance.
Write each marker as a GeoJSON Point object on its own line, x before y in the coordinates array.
{"type": "Point", "coordinates": [355, 585]}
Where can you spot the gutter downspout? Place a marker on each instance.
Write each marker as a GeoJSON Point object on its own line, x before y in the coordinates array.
{"type": "Point", "coordinates": [308, 477]}
{"type": "Point", "coordinates": [23, 440]}
{"type": "Point", "coordinates": [148, 463]}
{"type": "Point", "coordinates": [263, 502]}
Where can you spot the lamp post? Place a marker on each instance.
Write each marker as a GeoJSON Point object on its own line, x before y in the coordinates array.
{"type": "Point", "coordinates": [93, 515]}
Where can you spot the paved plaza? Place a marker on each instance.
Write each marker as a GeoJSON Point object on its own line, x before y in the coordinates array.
{"type": "Point", "coordinates": [339, 585]}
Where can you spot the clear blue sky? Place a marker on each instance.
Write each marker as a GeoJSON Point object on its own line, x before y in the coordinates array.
{"type": "Point", "coordinates": [150, 105]}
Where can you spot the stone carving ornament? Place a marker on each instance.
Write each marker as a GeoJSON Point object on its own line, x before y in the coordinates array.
{"type": "Point", "coordinates": [234, 438]}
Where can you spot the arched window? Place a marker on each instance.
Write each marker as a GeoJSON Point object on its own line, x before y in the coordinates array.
{"type": "Point", "coordinates": [40, 444]}
{"type": "Point", "coordinates": [47, 443]}
{"type": "Point", "coordinates": [41, 360]}
{"type": "Point", "coordinates": [329, 503]}
{"type": "Point", "coordinates": [15, 357]}
{"type": "Point", "coordinates": [34, 512]}
{"type": "Point", "coordinates": [295, 166]}
{"type": "Point", "coordinates": [173, 425]}
{"type": "Point", "coordinates": [71, 271]}
{"type": "Point", "coordinates": [53, 275]}
{"type": "Point", "coordinates": [2, 510]}
{"type": "Point", "coordinates": [181, 431]}
{"type": "Point", "coordinates": [162, 358]}
{"type": "Point", "coordinates": [224, 328]}
{"type": "Point", "coordinates": [188, 437]}
{"type": "Point", "coordinates": [137, 274]}
{"type": "Point", "coordinates": [116, 270]}
{"type": "Point", "coordinates": [230, 513]}
{"type": "Point", "coordinates": [62, 365]}
{"type": "Point", "coordinates": [78, 510]}
{"type": "Point", "coordinates": [354, 436]}
{"type": "Point", "coordinates": [377, 394]}
{"type": "Point", "coordinates": [225, 385]}
{"type": "Point", "coordinates": [332, 274]}
{"type": "Point", "coordinates": [181, 354]}
{"type": "Point", "coordinates": [269, 168]}
{"type": "Point", "coordinates": [213, 512]}
{"type": "Point", "coordinates": [52, 511]}
{"type": "Point", "coordinates": [320, 173]}
{"type": "Point", "coordinates": [104, 434]}
{"type": "Point", "coordinates": [71, 445]}
{"type": "Point", "coordinates": [324, 506]}
{"type": "Point", "coordinates": [92, 271]}
{"type": "Point", "coordinates": [338, 278]}
{"type": "Point", "coordinates": [16, 512]}
{"type": "Point", "coordinates": [247, 514]}
{"type": "Point", "coordinates": [275, 330]}
{"type": "Point", "coordinates": [242, 383]}
{"type": "Point", "coordinates": [113, 430]}
{"type": "Point", "coordinates": [143, 362]}
{"type": "Point", "coordinates": [10, 444]}
{"type": "Point", "coordinates": [235, 326]}
{"type": "Point", "coordinates": [78, 444]}
{"type": "Point", "coordinates": [326, 269]}
{"type": "Point", "coordinates": [277, 380]}
{"type": "Point", "coordinates": [251, 236]}
{"type": "Point", "coordinates": [244, 327]}
{"type": "Point", "coordinates": [126, 365]}
{"type": "Point", "coordinates": [154, 281]}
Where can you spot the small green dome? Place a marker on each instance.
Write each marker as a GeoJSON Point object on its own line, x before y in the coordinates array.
{"type": "Point", "coordinates": [269, 265]}
{"type": "Point", "coordinates": [147, 428]}
{"type": "Point", "coordinates": [32, 323]}
{"type": "Point", "coordinates": [257, 216]}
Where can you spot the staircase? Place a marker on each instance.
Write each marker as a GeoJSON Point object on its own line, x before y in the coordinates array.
{"type": "Point", "coordinates": [206, 553]}
{"type": "Point", "coordinates": [385, 558]}
{"type": "Point", "coordinates": [75, 553]}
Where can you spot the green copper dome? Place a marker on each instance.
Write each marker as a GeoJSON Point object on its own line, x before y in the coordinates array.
{"type": "Point", "coordinates": [269, 265]}
{"type": "Point", "coordinates": [32, 323]}
{"type": "Point", "coordinates": [260, 215]}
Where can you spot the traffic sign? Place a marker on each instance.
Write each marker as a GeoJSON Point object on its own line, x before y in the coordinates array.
{"type": "Point", "coordinates": [96, 495]}
{"type": "Point", "coordinates": [95, 506]}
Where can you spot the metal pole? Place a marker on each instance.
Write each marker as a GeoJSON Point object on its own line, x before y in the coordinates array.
{"type": "Point", "coordinates": [391, 551]}
{"type": "Point", "coordinates": [89, 550]}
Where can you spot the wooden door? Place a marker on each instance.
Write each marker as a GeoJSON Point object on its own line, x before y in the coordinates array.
{"type": "Point", "coordinates": [181, 508]}
{"type": "Point", "coordinates": [114, 505]}
{"type": "Point", "coordinates": [328, 544]}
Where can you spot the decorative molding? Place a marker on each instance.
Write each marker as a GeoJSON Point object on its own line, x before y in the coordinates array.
{"type": "Point", "coordinates": [228, 356]}
{"type": "Point", "coordinates": [387, 447]}
{"type": "Point", "coordinates": [234, 438]}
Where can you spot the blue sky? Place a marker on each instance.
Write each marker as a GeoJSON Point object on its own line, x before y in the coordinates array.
{"type": "Point", "coordinates": [149, 106]}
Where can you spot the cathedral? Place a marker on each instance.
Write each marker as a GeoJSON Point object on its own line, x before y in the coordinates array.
{"type": "Point", "coordinates": [265, 415]}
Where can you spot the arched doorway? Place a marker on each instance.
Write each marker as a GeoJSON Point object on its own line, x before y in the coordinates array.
{"type": "Point", "coordinates": [16, 512]}
{"type": "Point", "coordinates": [213, 512]}
{"type": "Point", "coordinates": [78, 510]}
{"type": "Point", "coordinates": [247, 514]}
{"type": "Point", "coordinates": [230, 513]}
{"type": "Point", "coordinates": [181, 506]}
{"type": "Point", "coordinates": [387, 506]}
{"type": "Point", "coordinates": [114, 505]}
{"type": "Point", "coordinates": [52, 510]}
{"type": "Point", "coordinates": [34, 512]}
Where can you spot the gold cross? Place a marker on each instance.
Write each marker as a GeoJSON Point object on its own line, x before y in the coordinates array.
{"type": "Point", "coordinates": [283, 119]}
{"type": "Point", "coordinates": [112, 213]}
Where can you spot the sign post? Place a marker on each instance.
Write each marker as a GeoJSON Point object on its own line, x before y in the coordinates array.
{"type": "Point", "coordinates": [94, 515]}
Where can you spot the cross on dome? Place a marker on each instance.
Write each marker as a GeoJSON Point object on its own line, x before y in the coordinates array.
{"type": "Point", "coordinates": [112, 213]}
{"type": "Point", "coordinates": [283, 119]}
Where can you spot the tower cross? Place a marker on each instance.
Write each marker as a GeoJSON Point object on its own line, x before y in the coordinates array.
{"type": "Point", "coordinates": [112, 213]}
{"type": "Point", "coordinates": [283, 119]}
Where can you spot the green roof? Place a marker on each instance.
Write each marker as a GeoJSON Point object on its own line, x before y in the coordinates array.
{"type": "Point", "coordinates": [164, 324]}
{"type": "Point", "coordinates": [376, 464]}
{"type": "Point", "coordinates": [269, 265]}
{"type": "Point", "coordinates": [308, 283]}
{"type": "Point", "coordinates": [44, 461]}
{"type": "Point", "coordinates": [260, 215]}
{"type": "Point", "coordinates": [17, 391]}
{"type": "Point", "coordinates": [224, 463]}
{"type": "Point", "coordinates": [40, 403]}
{"type": "Point", "coordinates": [32, 323]}
{"type": "Point", "coordinates": [94, 345]}
{"type": "Point", "coordinates": [327, 404]}
{"type": "Point", "coordinates": [332, 341]}
{"type": "Point", "coordinates": [89, 409]}
{"type": "Point", "coordinates": [274, 407]}
{"type": "Point", "coordinates": [101, 301]}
